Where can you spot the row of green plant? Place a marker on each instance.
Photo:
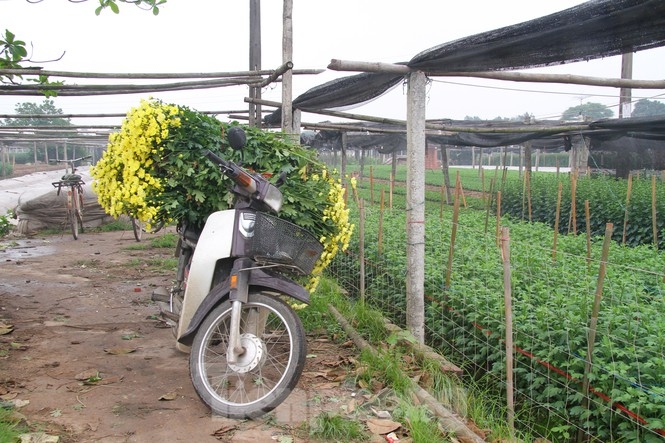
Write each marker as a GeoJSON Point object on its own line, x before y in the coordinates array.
{"type": "Point", "coordinates": [607, 204]}
{"type": "Point", "coordinates": [472, 179]}
{"type": "Point", "coordinates": [552, 304]}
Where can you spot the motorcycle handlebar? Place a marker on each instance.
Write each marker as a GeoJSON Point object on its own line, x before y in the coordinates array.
{"type": "Point", "coordinates": [239, 176]}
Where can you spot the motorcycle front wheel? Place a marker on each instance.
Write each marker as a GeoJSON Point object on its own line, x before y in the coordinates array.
{"type": "Point", "coordinates": [266, 372]}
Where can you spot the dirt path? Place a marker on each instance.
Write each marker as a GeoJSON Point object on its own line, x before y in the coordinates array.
{"type": "Point", "coordinates": [88, 355]}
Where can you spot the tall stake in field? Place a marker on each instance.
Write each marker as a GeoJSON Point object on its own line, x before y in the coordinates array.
{"type": "Point", "coordinates": [556, 221]}
{"type": "Point", "coordinates": [507, 298]}
{"type": "Point", "coordinates": [653, 212]}
{"type": "Point", "coordinates": [593, 323]}
{"type": "Point", "coordinates": [453, 234]}
{"type": "Point", "coordinates": [573, 203]}
{"type": "Point", "coordinates": [587, 216]}
{"type": "Point", "coordinates": [392, 188]}
{"type": "Point", "coordinates": [488, 204]}
{"type": "Point", "coordinates": [482, 181]}
{"type": "Point", "coordinates": [498, 216]}
{"type": "Point", "coordinates": [371, 185]}
{"type": "Point", "coordinates": [380, 246]}
{"type": "Point", "coordinates": [361, 248]}
{"type": "Point", "coordinates": [625, 212]}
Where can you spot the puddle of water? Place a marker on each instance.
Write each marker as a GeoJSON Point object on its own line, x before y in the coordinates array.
{"type": "Point", "coordinates": [22, 249]}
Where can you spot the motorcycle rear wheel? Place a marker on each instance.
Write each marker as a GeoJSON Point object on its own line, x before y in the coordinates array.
{"type": "Point", "coordinates": [268, 370]}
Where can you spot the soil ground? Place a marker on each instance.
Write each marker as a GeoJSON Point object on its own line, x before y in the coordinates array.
{"type": "Point", "coordinates": [80, 310]}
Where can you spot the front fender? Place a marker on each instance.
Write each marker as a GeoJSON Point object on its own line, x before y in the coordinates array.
{"type": "Point", "coordinates": [259, 279]}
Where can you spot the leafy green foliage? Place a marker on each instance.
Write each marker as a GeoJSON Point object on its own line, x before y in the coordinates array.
{"type": "Point", "coordinates": [152, 5]}
{"type": "Point", "coordinates": [5, 225]}
{"type": "Point", "coordinates": [607, 204]}
{"type": "Point", "coordinates": [551, 309]}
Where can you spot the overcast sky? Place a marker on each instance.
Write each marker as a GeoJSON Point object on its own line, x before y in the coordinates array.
{"type": "Point", "coordinates": [212, 36]}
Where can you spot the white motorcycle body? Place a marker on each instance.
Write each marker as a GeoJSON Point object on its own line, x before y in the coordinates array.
{"type": "Point", "coordinates": [214, 244]}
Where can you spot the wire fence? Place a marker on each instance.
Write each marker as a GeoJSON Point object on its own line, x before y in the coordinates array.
{"type": "Point", "coordinates": [588, 335]}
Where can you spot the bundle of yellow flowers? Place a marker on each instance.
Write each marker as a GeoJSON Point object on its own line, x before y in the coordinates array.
{"type": "Point", "coordinates": [155, 170]}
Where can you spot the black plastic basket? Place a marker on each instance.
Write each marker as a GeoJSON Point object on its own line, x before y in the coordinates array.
{"type": "Point", "coordinates": [277, 241]}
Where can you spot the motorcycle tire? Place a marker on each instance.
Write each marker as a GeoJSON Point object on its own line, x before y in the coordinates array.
{"type": "Point", "coordinates": [265, 374]}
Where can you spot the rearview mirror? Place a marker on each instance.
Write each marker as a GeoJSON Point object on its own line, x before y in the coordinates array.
{"type": "Point", "coordinates": [237, 137]}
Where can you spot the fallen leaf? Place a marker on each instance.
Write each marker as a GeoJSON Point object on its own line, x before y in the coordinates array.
{"type": "Point", "coordinates": [381, 426]}
{"type": "Point", "coordinates": [38, 437]}
{"type": "Point", "coordinates": [5, 328]}
{"type": "Point", "coordinates": [329, 385]}
{"type": "Point", "coordinates": [168, 397]}
{"type": "Point", "coordinates": [382, 414]}
{"type": "Point", "coordinates": [88, 373]}
{"type": "Point", "coordinates": [18, 403]}
{"type": "Point", "coordinates": [118, 350]}
{"type": "Point", "coordinates": [19, 346]}
{"type": "Point", "coordinates": [225, 430]}
{"type": "Point", "coordinates": [9, 396]}
{"type": "Point", "coordinates": [105, 381]}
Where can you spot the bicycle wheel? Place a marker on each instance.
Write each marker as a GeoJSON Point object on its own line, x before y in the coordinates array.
{"type": "Point", "coordinates": [264, 374]}
{"type": "Point", "coordinates": [72, 212]}
{"type": "Point", "coordinates": [137, 227]}
{"type": "Point", "coordinates": [79, 209]}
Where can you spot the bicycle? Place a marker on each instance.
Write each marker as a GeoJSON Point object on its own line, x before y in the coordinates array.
{"type": "Point", "coordinates": [74, 204]}
{"type": "Point", "coordinates": [139, 228]}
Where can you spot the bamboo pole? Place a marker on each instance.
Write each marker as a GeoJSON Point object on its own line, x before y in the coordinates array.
{"type": "Point", "coordinates": [488, 204]}
{"type": "Point", "coordinates": [593, 323]}
{"type": "Point", "coordinates": [392, 188]}
{"type": "Point", "coordinates": [507, 298]}
{"type": "Point", "coordinates": [449, 420]}
{"type": "Point", "coordinates": [498, 216]}
{"type": "Point", "coordinates": [361, 247]}
{"type": "Point", "coordinates": [528, 193]}
{"type": "Point", "coordinates": [461, 189]}
{"type": "Point", "coordinates": [381, 209]}
{"type": "Point", "coordinates": [573, 203]}
{"type": "Point", "coordinates": [556, 221]}
{"type": "Point", "coordinates": [371, 184]}
{"type": "Point", "coordinates": [442, 200]}
{"type": "Point", "coordinates": [587, 216]}
{"type": "Point", "coordinates": [453, 234]}
{"type": "Point", "coordinates": [625, 212]}
{"type": "Point", "coordinates": [482, 180]}
{"type": "Point", "coordinates": [653, 212]}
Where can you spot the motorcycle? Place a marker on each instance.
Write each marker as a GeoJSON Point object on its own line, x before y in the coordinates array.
{"type": "Point", "coordinates": [228, 306]}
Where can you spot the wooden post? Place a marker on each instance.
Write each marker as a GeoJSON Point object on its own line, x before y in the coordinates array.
{"type": "Point", "coordinates": [653, 212]}
{"type": "Point", "coordinates": [287, 77]}
{"type": "Point", "coordinates": [3, 167]}
{"type": "Point", "coordinates": [255, 59]}
{"type": "Point", "coordinates": [415, 205]}
{"type": "Point", "coordinates": [34, 152]}
{"type": "Point", "coordinates": [381, 209]}
{"type": "Point", "coordinates": [593, 323]}
{"type": "Point", "coordinates": [453, 234]}
{"type": "Point", "coordinates": [361, 248]}
{"type": "Point", "coordinates": [507, 298]}
{"type": "Point", "coordinates": [556, 221]}
{"type": "Point", "coordinates": [625, 213]}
